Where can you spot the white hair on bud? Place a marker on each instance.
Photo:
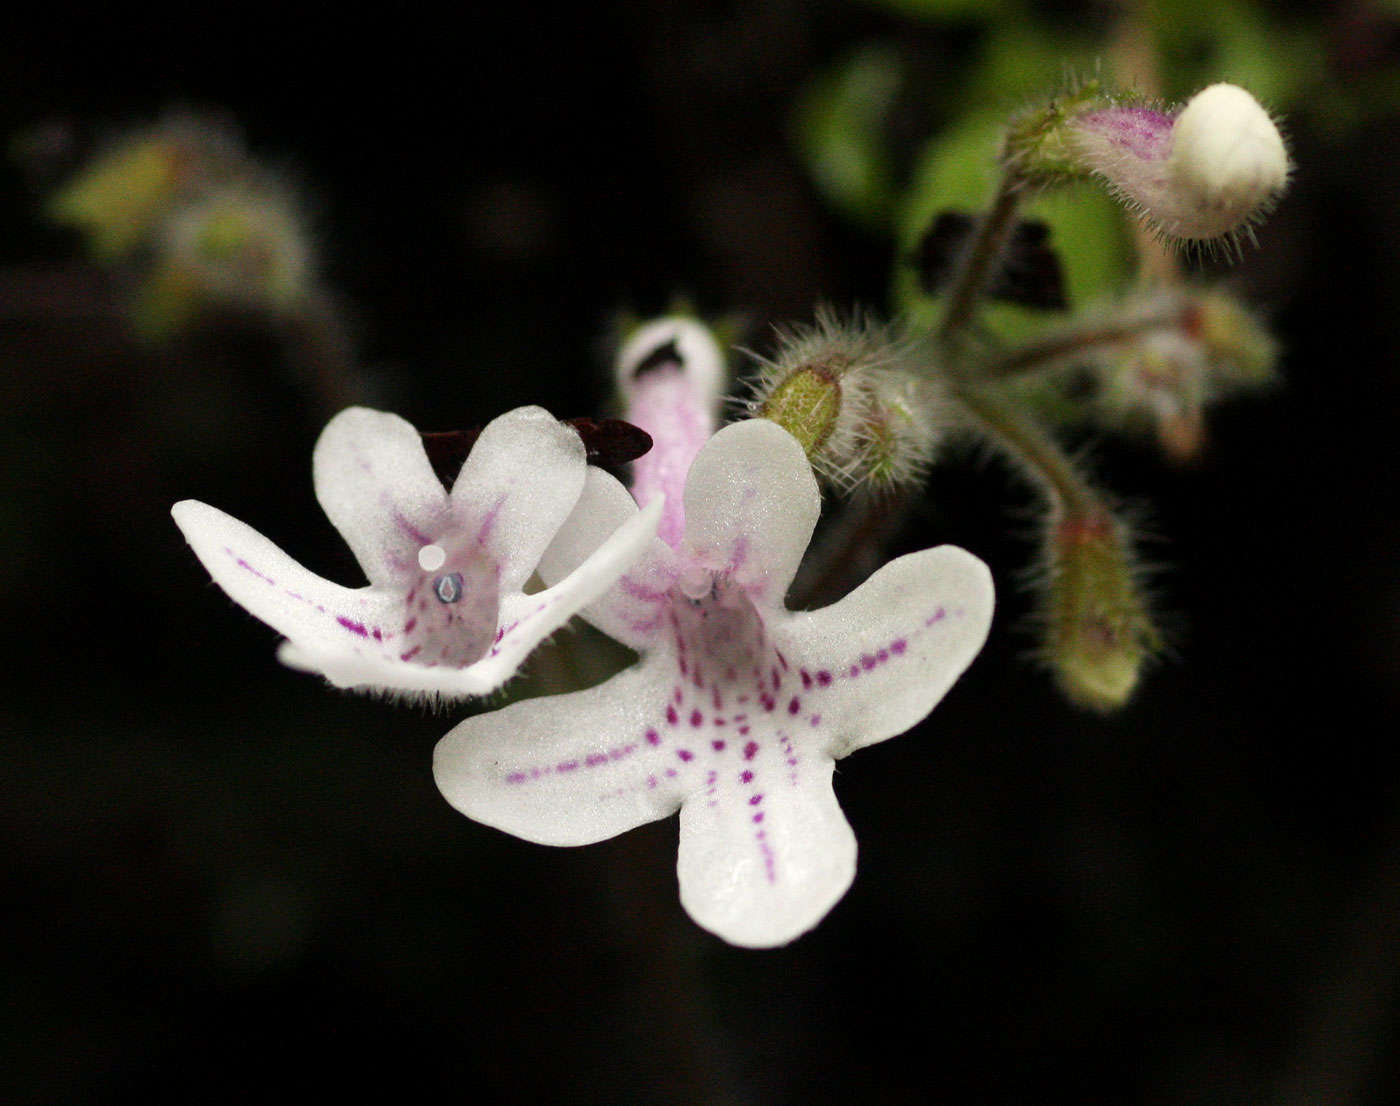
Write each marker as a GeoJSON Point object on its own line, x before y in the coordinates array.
{"type": "Point", "coordinates": [1203, 175]}
{"type": "Point", "coordinates": [888, 425]}
{"type": "Point", "coordinates": [1228, 160]}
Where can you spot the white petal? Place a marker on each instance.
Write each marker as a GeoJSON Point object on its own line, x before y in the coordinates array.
{"type": "Point", "coordinates": [518, 484]}
{"type": "Point", "coordinates": [526, 620]}
{"type": "Point", "coordinates": [375, 484]}
{"type": "Point", "coordinates": [751, 503]}
{"type": "Point", "coordinates": [633, 610]}
{"type": "Point", "coordinates": [353, 637]}
{"type": "Point", "coordinates": [322, 616]}
{"type": "Point", "coordinates": [880, 659]}
{"type": "Point", "coordinates": [761, 873]}
{"type": "Point", "coordinates": [565, 769]}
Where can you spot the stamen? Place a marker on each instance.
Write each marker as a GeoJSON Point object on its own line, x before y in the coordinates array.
{"type": "Point", "coordinates": [448, 588]}
{"type": "Point", "coordinates": [431, 558]}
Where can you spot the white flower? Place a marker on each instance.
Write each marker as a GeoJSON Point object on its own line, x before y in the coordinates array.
{"type": "Point", "coordinates": [445, 612]}
{"type": "Point", "coordinates": [737, 709]}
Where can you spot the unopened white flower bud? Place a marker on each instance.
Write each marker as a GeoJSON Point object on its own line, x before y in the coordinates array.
{"type": "Point", "coordinates": [1227, 158]}
{"type": "Point", "coordinates": [1203, 174]}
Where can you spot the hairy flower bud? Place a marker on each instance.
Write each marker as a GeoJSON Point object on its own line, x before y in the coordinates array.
{"type": "Point", "coordinates": [841, 389]}
{"type": "Point", "coordinates": [1202, 174]}
{"type": "Point", "coordinates": [243, 245]}
{"type": "Point", "coordinates": [122, 194]}
{"type": "Point", "coordinates": [1098, 632]}
{"type": "Point", "coordinates": [239, 246]}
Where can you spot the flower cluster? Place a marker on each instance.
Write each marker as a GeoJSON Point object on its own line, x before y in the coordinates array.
{"type": "Point", "coordinates": [737, 709]}
{"type": "Point", "coordinates": [203, 224]}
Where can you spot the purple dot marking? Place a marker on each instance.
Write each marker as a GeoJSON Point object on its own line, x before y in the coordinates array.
{"type": "Point", "coordinates": [758, 817]}
{"type": "Point", "coordinates": [567, 766]}
{"type": "Point", "coordinates": [696, 718]}
{"type": "Point", "coordinates": [595, 759]}
{"type": "Point", "coordinates": [898, 646]}
{"type": "Point", "coordinates": [717, 746]}
{"type": "Point", "coordinates": [824, 678]}
{"type": "Point", "coordinates": [746, 777]}
{"type": "Point", "coordinates": [653, 738]}
{"type": "Point", "coordinates": [751, 750]}
{"type": "Point", "coordinates": [671, 716]}
{"type": "Point", "coordinates": [756, 799]}
{"type": "Point", "coordinates": [356, 628]}
{"type": "Point", "coordinates": [867, 661]}
{"type": "Point", "coordinates": [806, 680]}
{"type": "Point", "coordinates": [684, 754]}
{"type": "Point", "coordinates": [795, 705]}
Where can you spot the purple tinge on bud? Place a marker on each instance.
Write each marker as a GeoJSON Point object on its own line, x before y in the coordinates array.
{"type": "Point", "coordinates": [1203, 173]}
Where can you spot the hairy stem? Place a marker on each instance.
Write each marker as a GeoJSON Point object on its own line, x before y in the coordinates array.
{"type": "Point", "coordinates": [1030, 449]}
{"type": "Point", "coordinates": [1060, 345]}
{"type": "Point", "coordinates": [979, 263]}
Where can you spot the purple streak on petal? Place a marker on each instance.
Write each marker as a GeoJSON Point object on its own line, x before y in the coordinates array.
{"type": "Point", "coordinates": [411, 531]}
{"type": "Point", "coordinates": [249, 568]}
{"type": "Point", "coordinates": [488, 522]}
{"type": "Point", "coordinates": [356, 628]}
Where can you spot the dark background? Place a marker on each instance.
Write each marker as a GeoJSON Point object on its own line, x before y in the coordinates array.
{"type": "Point", "coordinates": [223, 883]}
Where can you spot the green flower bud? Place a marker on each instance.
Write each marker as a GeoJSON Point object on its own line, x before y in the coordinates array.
{"type": "Point", "coordinates": [1098, 632]}
{"type": "Point", "coordinates": [121, 196]}
{"type": "Point", "coordinates": [844, 392]}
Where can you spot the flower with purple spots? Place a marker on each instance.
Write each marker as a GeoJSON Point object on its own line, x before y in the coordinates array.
{"type": "Point", "coordinates": [445, 613]}
{"type": "Point", "coordinates": [738, 708]}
